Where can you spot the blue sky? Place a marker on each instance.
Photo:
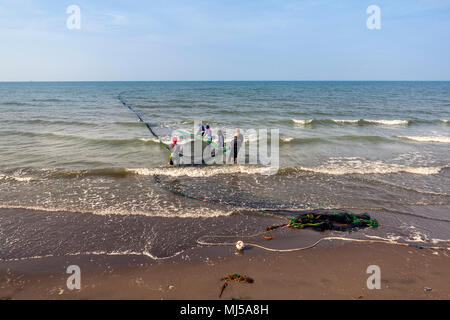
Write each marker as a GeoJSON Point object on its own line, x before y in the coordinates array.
{"type": "Point", "coordinates": [224, 40]}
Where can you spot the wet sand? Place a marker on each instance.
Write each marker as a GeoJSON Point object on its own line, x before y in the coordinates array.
{"type": "Point", "coordinates": [324, 272]}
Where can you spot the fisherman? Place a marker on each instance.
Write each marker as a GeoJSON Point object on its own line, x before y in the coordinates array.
{"type": "Point", "coordinates": [235, 146]}
{"type": "Point", "coordinates": [201, 129]}
{"type": "Point", "coordinates": [175, 152]}
{"type": "Point", "coordinates": [208, 133]}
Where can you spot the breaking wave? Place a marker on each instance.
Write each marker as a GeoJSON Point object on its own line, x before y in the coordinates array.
{"type": "Point", "coordinates": [185, 213]}
{"type": "Point", "coordinates": [292, 140]}
{"type": "Point", "coordinates": [360, 122]}
{"type": "Point", "coordinates": [441, 139]}
{"type": "Point", "coordinates": [366, 167]}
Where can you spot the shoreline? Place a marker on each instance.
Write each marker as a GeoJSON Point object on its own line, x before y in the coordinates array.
{"type": "Point", "coordinates": [325, 272]}
{"type": "Point", "coordinates": [330, 270]}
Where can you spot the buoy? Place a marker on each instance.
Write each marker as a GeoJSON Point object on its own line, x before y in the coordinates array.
{"type": "Point", "coordinates": [240, 245]}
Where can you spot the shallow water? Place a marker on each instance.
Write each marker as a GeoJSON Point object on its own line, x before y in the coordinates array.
{"type": "Point", "coordinates": [381, 147]}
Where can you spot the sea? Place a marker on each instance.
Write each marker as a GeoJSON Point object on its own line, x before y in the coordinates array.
{"type": "Point", "coordinates": [80, 174]}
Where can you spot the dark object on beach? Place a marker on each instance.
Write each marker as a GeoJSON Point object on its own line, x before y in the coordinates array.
{"type": "Point", "coordinates": [234, 277]}
{"type": "Point", "coordinates": [321, 220]}
{"type": "Point", "coordinates": [223, 288]}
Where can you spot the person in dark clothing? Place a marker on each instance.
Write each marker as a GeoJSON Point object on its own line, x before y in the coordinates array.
{"type": "Point", "coordinates": [235, 145]}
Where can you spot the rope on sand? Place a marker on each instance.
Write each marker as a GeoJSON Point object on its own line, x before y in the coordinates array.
{"type": "Point", "coordinates": [323, 239]}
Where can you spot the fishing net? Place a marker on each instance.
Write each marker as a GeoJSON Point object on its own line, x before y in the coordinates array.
{"type": "Point", "coordinates": [319, 219]}
{"type": "Point", "coordinates": [324, 219]}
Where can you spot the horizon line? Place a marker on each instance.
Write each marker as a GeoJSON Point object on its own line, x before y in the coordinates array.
{"type": "Point", "coordinates": [56, 81]}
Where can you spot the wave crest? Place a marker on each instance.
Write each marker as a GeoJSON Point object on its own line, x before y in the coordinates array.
{"type": "Point", "coordinates": [359, 166]}
{"type": "Point", "coordinates": [440, 139]}
{"type": "Point", "coordinates": [360, 122]}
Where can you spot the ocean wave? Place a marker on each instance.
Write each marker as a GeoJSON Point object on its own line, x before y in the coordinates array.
{"type": "Point", "coordinates": [42, 135]}
{"type": "Point", "coordinates": [13, 103]}
{"type": "Point", "coordinates": [440, 139]}
{"type": "Point", "coordinates": [361, 138]}
{"type": "Point", "coordinates": [331, 139]}
{"type": "Point", "coordinates": [84, 139]}
{"type": "Point", "coordinates": [356, 166]}
{"type": "Point", "coordinates": [51, 100]}
{"type": "Point", "coordinates": [345, 121]}
{"type": "Point", "coordinates": [365, 167]}
{"type": "Point", "coordinates": [286, 139]}
{"type": "Point", "coordinates": [204, 212]}
{"type": "Point", "coordinates": [291, 140]}
{"type": "Point", "coordinates": [388, 122]}
{"type": "Point", "coordinates": [405, 187]}
{"type": "Point", "coordinates": [16, 178]}
{"type": "Point", "coordinates": [190, 171]}
{"type": "Point", "coordinates": [129, 123]}
{"type": "Point", "coordinates": [57, 122]}
{"type": "Point", "coordinates": [303, 121]}
{"type": "Point", "coordinates": [144, 253]}
{"type": "Point", "coordinates": [360, 122]}
{"type": "Point", "coordinates": [204, 171]}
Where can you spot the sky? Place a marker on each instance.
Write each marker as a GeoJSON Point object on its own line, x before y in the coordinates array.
{"type": "Point", "coordinates": [169, 40]}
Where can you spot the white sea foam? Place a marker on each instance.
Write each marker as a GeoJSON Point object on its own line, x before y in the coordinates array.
{"type": "Point", "coordinates": [185, 213]}
{"type": "Point", "coordinates": [388, 237]}
{"type": "Point", "coordinates": [17, 178]}
{"type": "Point", "coordinates": [196, 171]}
{"type": "Point", "coordinates": [388, 122]}
{"type": "Point", "coordinates": [362, 166]}
{"type": "Point", "coordinates": [414, 236]}
{"type": "Point", "coordinates": [355, 121]}
{"type": "Point", "coordinates": [345, 121]}
{"type": "Point", "coordinates": [376, 170]}
{"type": "Point", "coordinates": [125, 253]}
{"type": "Point", "coordinates": [440, 139]}
{"type": "Point", "coordinates": [150, 140]}
{"type": "Point", "coordinates": [302, 121]}
{"type": "Point", "coordinates": [98, 253]}
{"type": "Point", "coordinates": [286, 139]}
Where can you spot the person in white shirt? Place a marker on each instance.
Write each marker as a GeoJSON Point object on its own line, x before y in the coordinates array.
{"type": "Point", "coordinates": [175, 152]}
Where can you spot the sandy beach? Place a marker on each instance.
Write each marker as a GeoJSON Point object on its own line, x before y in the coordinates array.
{"type": "Point", "coordinates": [331, 272]}
{"type": "Point", "coordinates": [98, 193]}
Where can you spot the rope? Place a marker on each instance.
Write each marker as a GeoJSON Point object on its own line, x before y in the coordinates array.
{"type": "Point", "coordinates": [142, 120]}
{"type": "Point", "coordinates": [323, 239]}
